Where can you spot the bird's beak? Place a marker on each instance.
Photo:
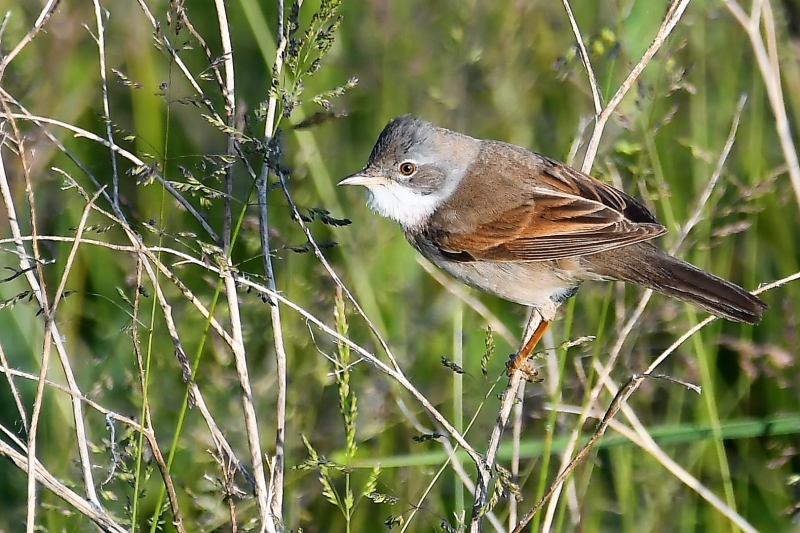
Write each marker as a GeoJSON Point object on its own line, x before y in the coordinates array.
{"type": "Point", "coordinates": [363, 179]}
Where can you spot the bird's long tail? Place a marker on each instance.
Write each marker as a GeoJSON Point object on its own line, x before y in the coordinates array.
{"type": "Point", "coordinates": [657, 270]}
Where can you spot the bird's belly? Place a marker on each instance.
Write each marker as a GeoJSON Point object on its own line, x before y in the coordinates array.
{"type": "Point", "coordinates": [537, 284]}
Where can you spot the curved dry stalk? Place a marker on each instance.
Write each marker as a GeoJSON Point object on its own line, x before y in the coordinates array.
{"type": "Point", "coordinates": [13, 388]}
{"type": "Point", "coordinates": [458, 467]}
{"type": "Point", "coordinates": [177, 519]}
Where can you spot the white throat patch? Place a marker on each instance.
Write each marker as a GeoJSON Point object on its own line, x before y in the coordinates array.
{"type": "Point", "coordinates": [401, 204]}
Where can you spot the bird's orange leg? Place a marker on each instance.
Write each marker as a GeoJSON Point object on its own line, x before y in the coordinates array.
{"type": "Point", "coordinates": [520, 360]}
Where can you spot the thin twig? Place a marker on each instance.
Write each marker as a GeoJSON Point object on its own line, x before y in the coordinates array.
{"type": "Point", "coordinates": [278, 462]}
{"type": "Point", "coordinates": [86, 507]}
{"type": "Point", "coordinates": [14, 390]}
{"type": "Point", "coordinates": [177, 519]}
{"type": "Point", "coordinates": [673, 15]}
{"type": "Point", "coordinates": [101, 48]}
{"type": "Point", "coordinates": [458, 467]}
{"type": "Point", "coordinates": [486, 467]}
{"type": "Point", "coordinates": [228, 93]}
{"type": "Point", "coordinates": [41, 20]}
{"type": "Point", "coordinates": [598, 106]}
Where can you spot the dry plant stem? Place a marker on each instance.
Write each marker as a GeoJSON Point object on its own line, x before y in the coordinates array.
{"type": "Point", "coordinates": [767, 60]}
{"type": "Point", "coordinates": [256, 457]}
{"type": "Point", "coordinates": [41, 20]}
{"type": "Point", "coordinates": [686, 478]}
{"type": "Point", "coordinates": [39, 121]}
{"type": "Point", "coordinates": [604, 371]}
{"type": "Point", "coordinates": [228, 93]}
{"type": "Point", "coordinates": [25, 266]}
{"type": "Point", "coordinates": [598, 107]}
{"type": "Point", "coordinates": [47, 313]}
{"type": "Point", "coordinates": [278, 463]}
{"type": "Point", "coordinates": [453, 459]}
{"type": "Point", "coordinates": [705, 196]}
{"type": "Point", "coordinates": [88, 401]}
{"type": "Point", "coordinates": [516, 436]}
{"type": "Point", "coordinates": [280, 354]}
{"type": "Point", "coordinates": [101, 48]}
{"type": "Point", "coordinates": [674, 13]}
{"type": "Point", "coordinates": [85, 507]}
{"type": "Point", "coordinates": [486, 467]}
{"type": "Point", "coordinates": [248, 406]}
{"type": "Point", "coordinates": [335, 277]}
{"type": "Point", "coordinates": [147, 255]}
{"type": "Point", "coordinates": [177, 520]}
{"type": "Point", "coordinates": [13, 388]}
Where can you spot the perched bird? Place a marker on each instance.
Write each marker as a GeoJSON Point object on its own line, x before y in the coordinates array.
{"type": "Point", "coordinates": [524, 227]}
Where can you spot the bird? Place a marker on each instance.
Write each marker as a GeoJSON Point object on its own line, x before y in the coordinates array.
{"type": "Point", "coordinates": [524, 227]}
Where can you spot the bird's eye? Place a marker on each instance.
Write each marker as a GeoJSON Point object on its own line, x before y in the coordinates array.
{"type": "Point", "coordinates": [407, 168]}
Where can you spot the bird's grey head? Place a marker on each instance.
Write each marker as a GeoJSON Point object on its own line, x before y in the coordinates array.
{"type": "Point", "coordinates": [413, 168]}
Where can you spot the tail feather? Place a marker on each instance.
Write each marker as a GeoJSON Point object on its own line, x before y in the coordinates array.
{"type": "Point", "coordinates": [649, 266]}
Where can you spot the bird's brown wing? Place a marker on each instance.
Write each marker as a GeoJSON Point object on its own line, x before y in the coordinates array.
{"type": "Point", "coordinates": [565, 214]}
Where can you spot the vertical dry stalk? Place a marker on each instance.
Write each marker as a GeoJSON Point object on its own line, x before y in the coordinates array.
{"type": "Point", "coordinates": [767, 60]}
{"type": "Point", "coordinates": [100, 38]}
{"type": "Point", "coordinates": [486, 467]}
{"type": "Point", "coordinates": [248, 406]}
{"type": "Point", "coordinates": [277, 478]}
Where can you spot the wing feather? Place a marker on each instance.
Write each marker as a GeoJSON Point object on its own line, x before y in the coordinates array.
{"type": "Point", "coordinates": [566, 214]}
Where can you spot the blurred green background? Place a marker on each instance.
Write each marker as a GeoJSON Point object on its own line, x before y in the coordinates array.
{"type": "Point", "coordinates": [502, 69]}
